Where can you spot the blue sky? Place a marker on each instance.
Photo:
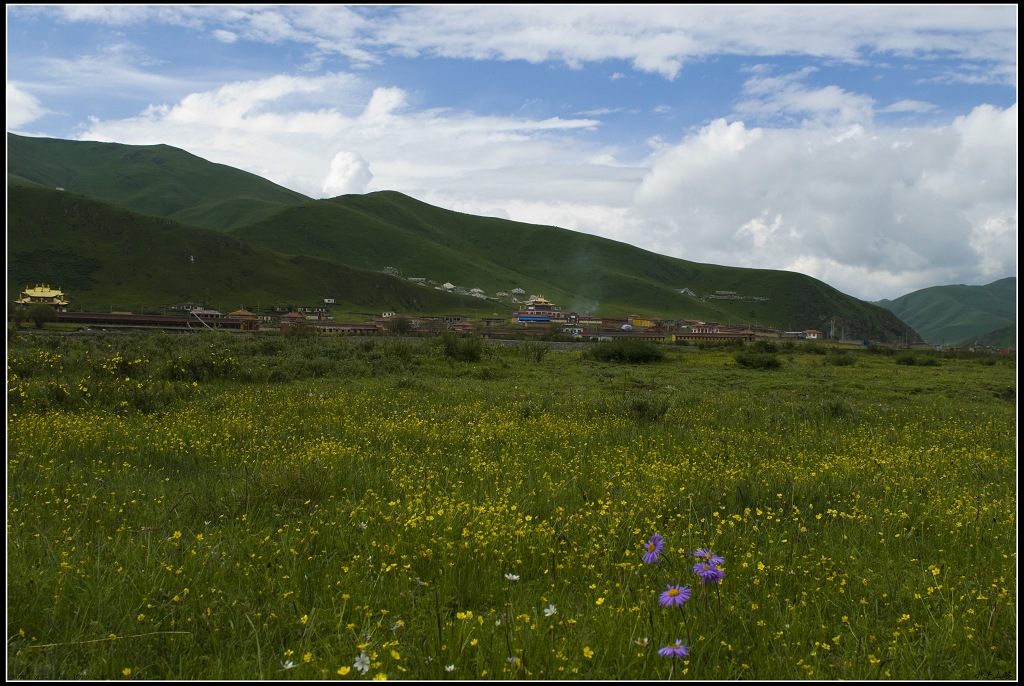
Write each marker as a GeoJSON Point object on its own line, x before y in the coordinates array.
{"type": "Point", "coordinates": [871, 147]}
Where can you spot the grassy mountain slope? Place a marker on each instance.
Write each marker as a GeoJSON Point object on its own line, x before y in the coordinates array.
{"type": "Point", "coordinates": [962, 315]}
{"type": "Point", "coordinates": [578, 271]}
{"type": "Point", "coordinates": [367, 233]}
{"type": "Point", "coordinates": [107, 257]}
{"type": "Point", "coordinates": [158, 180]}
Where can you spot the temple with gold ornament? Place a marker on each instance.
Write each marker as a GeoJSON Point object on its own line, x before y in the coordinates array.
{"type": "Point", "coordinates": [542, 310]}
{"type": "Point", "coordinates": [43, 295]}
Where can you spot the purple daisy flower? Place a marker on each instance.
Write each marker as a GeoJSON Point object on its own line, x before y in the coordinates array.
{"type": "Point", "coordinates": [708, 556]}
{"type": "Point", "coordinates": [709, 573]}
{"type": "Point", "coordinates": [653, 548]}
{"type": "Point", "coordinates": [676, 649]}
{"type": "Point", "coordinates": [674, 595]}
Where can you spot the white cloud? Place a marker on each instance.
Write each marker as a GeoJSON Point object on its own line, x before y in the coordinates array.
{"type": "Point", "coordinates": [934, 205]}
{"type": "Point", "coordinates": [907, 105]}
{"type": "Point", "coordinates": [225, 36]}
{"type": "Point", "coordinates": [22, 107]}
{"type": "Point", "coordinates": [119, 71]}
{"type": "Point", "coordinates": [384, 102]}
{"type": "Point", "coordinates": [660, 39]}
{"type": "Point", "coordinates": [785, 99]}
{"type": "Point", "coordinates": [116, 15]}
{"type": "Point", "coordinates": [349, 174]}
{"type": "Point", "coordinates": [656, 39]}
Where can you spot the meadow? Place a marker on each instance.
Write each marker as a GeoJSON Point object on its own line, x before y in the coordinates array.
{"type": "Point", "coordinates": [221, 506]}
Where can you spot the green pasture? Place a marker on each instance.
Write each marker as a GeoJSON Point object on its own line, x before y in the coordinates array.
{"type": "Point", "coordinates": [219, 506]}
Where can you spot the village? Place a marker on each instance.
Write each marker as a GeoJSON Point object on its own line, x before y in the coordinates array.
{"type": "Point", "coordinates": [536, 317]}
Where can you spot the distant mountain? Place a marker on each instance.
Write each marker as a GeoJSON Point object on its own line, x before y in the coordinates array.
{"type": "Point", "coordinates": [149, 226]}
{"type": "Point", "coordinates": [961, 315]}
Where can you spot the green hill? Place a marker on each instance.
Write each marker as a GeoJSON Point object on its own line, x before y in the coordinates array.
{"type": "Point", "coordinates": [158, 180]}
{"type": "Point", "coordinates": [962, 315]}
{"type": "Point", "coordinates": [109, 258]}
{"type": "Point", "coordinates": [217, 215]}
{"type": "Point", "coordinates": [581, 272]}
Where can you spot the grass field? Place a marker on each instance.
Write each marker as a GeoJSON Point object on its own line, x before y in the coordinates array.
{"type": "Point", "coordinates": [221, 506]}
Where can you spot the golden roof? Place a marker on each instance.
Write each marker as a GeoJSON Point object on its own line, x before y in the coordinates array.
{"type": "Point", "coordinates": [42, 295]}
{"type": "Point", "coordinates": [43, 291]}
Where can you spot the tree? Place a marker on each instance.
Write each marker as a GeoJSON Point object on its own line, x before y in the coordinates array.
{"type": "Point", "coordinates": [399, 325]}
{"type": "Point", "coordinates": [40, 314]}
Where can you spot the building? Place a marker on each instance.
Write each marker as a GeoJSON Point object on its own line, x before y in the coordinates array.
{"type": "Point", "coordinates": [291, 321]}
{"type": "Point", "coordinates": [43, 295]}
{"type": "Point", "coordinates": [315, 314]}
{"type": "Point", "coordinates": [542, 310]}
{"type": "Point", "coordinates": [348, 329]}
{"type": "Point", "coordinates": [704, 336]}
{"type": "Point", "coordinates": [249, 320]}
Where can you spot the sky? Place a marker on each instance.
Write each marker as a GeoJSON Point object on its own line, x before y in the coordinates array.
{"type": "Point", "coordinates": [873, 147]}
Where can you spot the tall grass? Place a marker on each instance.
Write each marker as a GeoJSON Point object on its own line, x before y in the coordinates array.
{"type": "Point", "coordinates": [389, 511]}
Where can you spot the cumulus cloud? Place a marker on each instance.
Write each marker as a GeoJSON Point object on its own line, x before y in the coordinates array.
{"type": "Point", "coordinates": [843, 204]}
{"type": "Point", "coordinates": [349, 174]}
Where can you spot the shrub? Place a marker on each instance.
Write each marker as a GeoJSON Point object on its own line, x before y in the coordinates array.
{"type": "Point", "coordinates": [270, 346]}
{"type": "Point", "coordinates": [763, 346]}
{"type": "Point", "coordinates": [752, 360]}
{"type": "Point", "coordinates": [814, 348]}
{"type": "Point", "coordinates": [912, 359]}
{"type": "Point", "coordinates": [840, 359]}
{"type": "Point", "coordinates": [718, 345]}
{"type": "Point", "coordinates": [625, 350]}
{"type": "Point", "coordinates": [534, 351]}
{"type": "Point", "coordinates": [462, 348]}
